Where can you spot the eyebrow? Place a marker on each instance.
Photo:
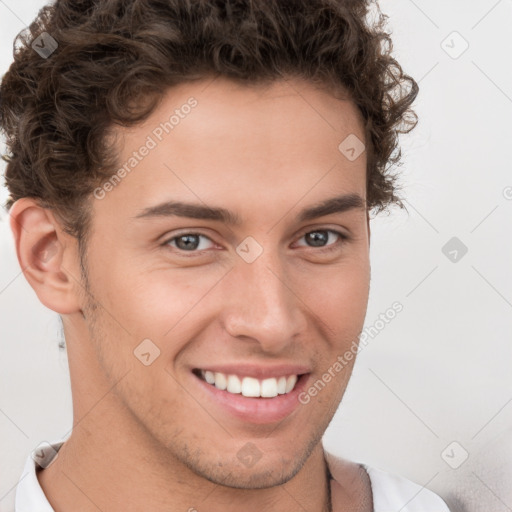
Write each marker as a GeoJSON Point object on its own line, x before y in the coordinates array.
{"type": "Point", "coordinates": [337, 204]}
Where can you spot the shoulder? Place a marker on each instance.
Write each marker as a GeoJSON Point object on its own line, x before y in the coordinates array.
{"type": "Point", "coordinates": [391, 491]}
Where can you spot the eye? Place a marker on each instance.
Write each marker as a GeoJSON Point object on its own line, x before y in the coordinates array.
{"type": "Point", "coordinates": [320, 238]}
{"type": "Point", "coordinates": [189, 242]}
{"type": "Point", "coordinates": [192, 242]}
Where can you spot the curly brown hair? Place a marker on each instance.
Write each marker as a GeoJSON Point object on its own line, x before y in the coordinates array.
{"type": "Point", "coordinates": [116, 58]}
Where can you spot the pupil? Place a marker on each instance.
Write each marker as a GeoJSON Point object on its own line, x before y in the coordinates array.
{"type": "Point", "coordinates": [192, 241]}
{"type": "Point", "coordinates": [317, 236]}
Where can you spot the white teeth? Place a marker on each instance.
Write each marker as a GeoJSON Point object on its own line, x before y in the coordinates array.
{"type": "Point", "coordinates": [269, 388]}
{"type": "Point", "coordinates": [220, 381]}
{"type": "Point", "coordinates": [281, 385]}
{"type": "Point", "coordinates": [234, 384]}
{"type": "Point", "coordinates": [290, 383]}
{"type": "Point", "coordinates": [249, 386]}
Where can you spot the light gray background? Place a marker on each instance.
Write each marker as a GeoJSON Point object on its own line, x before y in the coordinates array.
{"type": "Point", "coordinates": [440, 371]}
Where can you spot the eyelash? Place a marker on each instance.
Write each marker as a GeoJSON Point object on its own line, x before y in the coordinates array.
{"type": "Point", "coordinates": [342, 239]}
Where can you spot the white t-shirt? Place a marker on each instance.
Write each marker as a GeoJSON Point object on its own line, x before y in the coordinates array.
{"type": "Point", "coordinates": [391, 493]}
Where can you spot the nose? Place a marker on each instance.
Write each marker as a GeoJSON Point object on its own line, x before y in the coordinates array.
{"type": "Point", "coordinates": [263, 305]}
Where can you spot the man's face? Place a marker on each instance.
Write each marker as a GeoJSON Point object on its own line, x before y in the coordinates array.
{"type": "Point", "coordinates": [272, 295]}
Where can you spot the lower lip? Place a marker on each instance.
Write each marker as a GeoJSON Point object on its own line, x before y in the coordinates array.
{"type": "Point", "coordinates": [255, 410]}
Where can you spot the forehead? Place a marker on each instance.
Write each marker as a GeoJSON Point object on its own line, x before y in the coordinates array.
{"type": "Point", "coordinates": [219, 140]}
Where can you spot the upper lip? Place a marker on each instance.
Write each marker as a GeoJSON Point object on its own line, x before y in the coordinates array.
{"type": "Point", "coordinates": [258, 371]}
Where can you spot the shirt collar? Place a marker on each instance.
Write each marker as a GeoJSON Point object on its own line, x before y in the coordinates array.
{"type": "Point", "coordinates": [29, 494]}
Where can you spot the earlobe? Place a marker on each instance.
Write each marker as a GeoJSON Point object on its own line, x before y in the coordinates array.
{"type": "Point", "coordinates": [43, 252]}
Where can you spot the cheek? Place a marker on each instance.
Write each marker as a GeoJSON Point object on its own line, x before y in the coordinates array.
{"type": "Point", "coordinates": [150, 302]}
{"type": "Point", "coordinates": [339, 297]}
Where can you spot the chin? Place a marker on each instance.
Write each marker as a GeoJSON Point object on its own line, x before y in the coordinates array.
{"type": "Point", "coordinates": [263, 478]}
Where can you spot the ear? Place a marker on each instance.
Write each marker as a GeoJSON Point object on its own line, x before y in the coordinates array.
{"type": "Point", "coordinates": [47, 255]}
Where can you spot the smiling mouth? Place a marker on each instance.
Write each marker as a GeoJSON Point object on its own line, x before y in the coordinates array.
{"type": "Point", "coordinates": [249, 387]}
